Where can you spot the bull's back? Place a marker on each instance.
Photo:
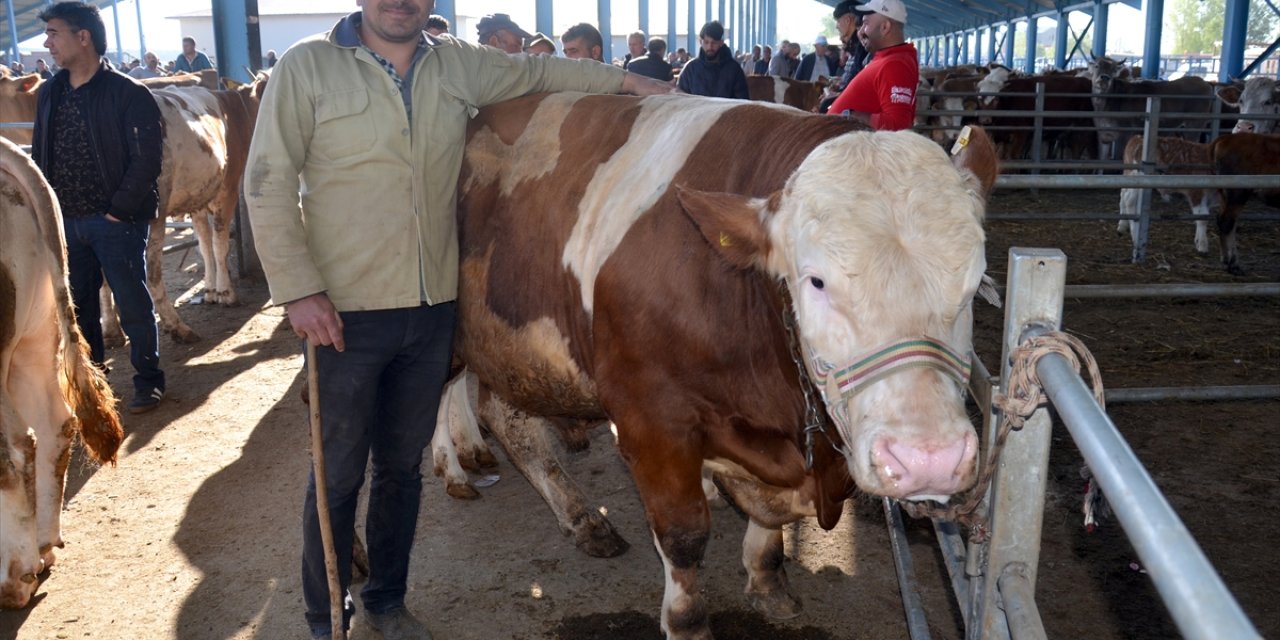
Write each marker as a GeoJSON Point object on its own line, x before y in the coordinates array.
{"type": "Point", "coordinates": [569, 215]}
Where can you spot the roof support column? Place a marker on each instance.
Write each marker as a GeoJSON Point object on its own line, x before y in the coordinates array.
{"type": "Point", "coordinates": [604, 14]}
{"type": "Point", "coordinates": [115, 20]}
{"type": "Point", "coordinates": [1233, 35]}
{"type": "Point", "coordinates": [1010, 29]}
{"type": "Point", "coordinates": [142, 39]}
{"type": "Point", "coordinates": [1030, 65]}
{"type": "Point", "coordinates": [706, 17]}
{"type": "Point", "coordinates": [991, 44]}
{"type": "Point", "coordinates": [672, 45]}
{"type": "Point", "coordinates": [13, 32]}
{"type": "Point", "coordinates": [237, 42]}
{"type": "Point", "coordinates": [543, 18]}
{"type": "Point", "coordinates": [722, 15]}
{"type": "Point", "coordinates": [771, 22]}
{"type": "Point", "coordinates": [691, 38]}
{"type": "Point", "coordinates": [445, 9]}
{"type": "Point", "coordinates": [1060, 41]}
{"type": "Point", "coordinates": [739, 35]}
{"type": "Point", "coordinates": [644, 19]}
{"type": "Point", "coordinates": [1100, 14]}
{"type": "Point", "coordinates": [1151, 45]}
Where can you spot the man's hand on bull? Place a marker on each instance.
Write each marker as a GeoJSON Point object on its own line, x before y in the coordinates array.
{"type": "Point", "coordinates": [315, 319]}
{"type": "Point", "coordinates": [638, 85]}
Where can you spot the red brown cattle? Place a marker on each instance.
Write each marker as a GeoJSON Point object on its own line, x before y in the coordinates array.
{"type": "Point", "coordinates": [49, 391]}
{"type": "Point", "coordinates": [802, 95]}
{"type": "Point", "coordinates": [678, 285]}
{"type": "Point", "coordinates": [1073, 136]}
{"type": "Point", "coordinates": [1243, 154]}
{"type": "Point", "coordinates": [1174, 156]}
{"type": "Point", "coordinates": [1187, 95]}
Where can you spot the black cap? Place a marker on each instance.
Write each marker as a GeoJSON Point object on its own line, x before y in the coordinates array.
{"type": "Point", "coordinates": [498, 22]}
{"type": "Point", "coordinates": [848, 6]}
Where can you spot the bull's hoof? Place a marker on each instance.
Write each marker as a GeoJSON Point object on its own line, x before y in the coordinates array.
{"type": "Point", "coordinates": [777, 604]}
{"type": "Point", "coordinates": [1235, 269]}
{"type": "Point", "coordinates": [486, 459]}
{"type": "Point", "coordinates": [462, 491]}
{"type": "Point", "coordinates": [596, 537]}
{"type": "Point", "coordinates": [113, 340]}
{"type": "Point", "coordinates": [224, 298]}
{"type": "Point", "coordinates": [184, 335]}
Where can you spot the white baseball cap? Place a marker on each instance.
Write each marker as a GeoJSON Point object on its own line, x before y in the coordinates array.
{"type": "Point", "coordinates": [891, 9]}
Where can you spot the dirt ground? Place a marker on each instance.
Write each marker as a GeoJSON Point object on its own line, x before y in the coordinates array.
{"type": "Point", "coordinates": [195, 534]}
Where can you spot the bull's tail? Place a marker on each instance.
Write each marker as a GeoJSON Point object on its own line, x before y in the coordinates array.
{"type": "Point", "coordinates": [91, 399]}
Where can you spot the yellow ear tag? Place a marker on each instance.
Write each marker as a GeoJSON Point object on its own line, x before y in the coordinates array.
{"type": "Point", "coordinates": [961, 142]}
{"type": "Point", "coordinates": [725, 240]}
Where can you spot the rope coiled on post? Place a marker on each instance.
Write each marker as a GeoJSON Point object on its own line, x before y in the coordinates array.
{"type": "Point", "coordinates": [1025, 395]}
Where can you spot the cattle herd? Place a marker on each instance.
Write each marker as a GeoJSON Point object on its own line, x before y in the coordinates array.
{"type": "Point", "coordinates": [806, 354]}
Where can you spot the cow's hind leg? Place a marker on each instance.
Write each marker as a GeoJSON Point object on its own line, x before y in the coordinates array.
{"type": "Point", "coordinates": [444, 456]}
{"type": "Point", "coordinates": [525, 439]}
{"type": "Point", "coordinates": [767, 510]}
{"type": "Point", "coordinates": [1226, 220]}
{"type": "Point", "coordinates": [112, 334]}
{"type": "Point", "coordinates": [169, 321]}
{"type": "Point", "coordinates": [1200, 209]}
{"type": "Point", "coordinates": [20, 561]}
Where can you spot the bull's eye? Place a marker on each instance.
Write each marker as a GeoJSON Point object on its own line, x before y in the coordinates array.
{"type": "Point", "coordinates": [817, 283]}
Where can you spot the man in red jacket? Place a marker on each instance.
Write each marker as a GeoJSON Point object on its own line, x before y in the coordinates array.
{"type": "Point", "coordinates": [883, 94]}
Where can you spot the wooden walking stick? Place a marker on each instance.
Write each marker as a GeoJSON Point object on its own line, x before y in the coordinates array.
{"type": "Point", "coordinates": [322, 498]}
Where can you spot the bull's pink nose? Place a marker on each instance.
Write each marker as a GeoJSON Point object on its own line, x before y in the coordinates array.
{"type": "Point", "coordinates": [1243, 127]}
{"type": "Point", "coordinates": [911, 469]}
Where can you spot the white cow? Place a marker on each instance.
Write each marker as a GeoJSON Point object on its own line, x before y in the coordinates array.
{"type": "Point", "coordinates": [49, 390]}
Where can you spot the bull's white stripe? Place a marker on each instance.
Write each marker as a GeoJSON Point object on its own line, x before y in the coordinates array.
{"type": "Point", "coordinates": [779, 90]}
{"type": "Point", "coordinates": [662, 138]}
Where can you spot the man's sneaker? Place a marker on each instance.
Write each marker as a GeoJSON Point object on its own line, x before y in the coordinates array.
{"type": "Point", "coordinates": [397, 624]}
{"type": "Point", "coordinates": [145, 401]}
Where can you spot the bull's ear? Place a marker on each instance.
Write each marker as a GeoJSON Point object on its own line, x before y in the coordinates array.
{"type": "Point", "coordinates": [973, 152]}
{"type": "Point", "coordinates": [1229, 93]}
{"type": "Point", "coordinates": [730, 222]}
{"type": "Point", "coordinates": [29, 83]}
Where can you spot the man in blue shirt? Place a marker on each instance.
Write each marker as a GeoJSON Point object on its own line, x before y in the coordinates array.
{"type": "Point", "coordinates": [191, 60]}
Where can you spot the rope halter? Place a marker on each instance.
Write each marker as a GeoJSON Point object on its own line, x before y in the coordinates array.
{"type": "Point", "coordinates": [846, 382]}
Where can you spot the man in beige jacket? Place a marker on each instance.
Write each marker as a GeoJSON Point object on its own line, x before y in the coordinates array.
{"type": "Point", "coordinates": [365, 125]}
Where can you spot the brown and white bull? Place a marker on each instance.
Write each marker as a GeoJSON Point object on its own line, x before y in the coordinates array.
{"type": "Point", "coordinates": [646, 271]}
{"type": "Point", "coordinates": [1257, 96]}
{"type": "Point", "coordinates": [49, 390]}
{"type": "Point", "coordinates": [1174, 156]}
{"type": "Point", "coordinates": [1243, 154]}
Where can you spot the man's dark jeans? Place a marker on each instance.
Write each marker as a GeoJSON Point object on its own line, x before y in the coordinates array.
{"type": "Point", "coordinates": [98, 247]}
{"type": "Point", "coordinates": [378, 402]}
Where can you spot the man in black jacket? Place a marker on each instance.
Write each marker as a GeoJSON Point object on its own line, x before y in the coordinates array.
{"type": "Point", "coordinates": [97, 138]}
{"type": "Point", "coordinates": [714, 73]}
{"type": "Point", "coordinates": [654, 65]}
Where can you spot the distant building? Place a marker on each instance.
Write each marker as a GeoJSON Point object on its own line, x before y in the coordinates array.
{"type": "Point", "coordinates": [281, 23]}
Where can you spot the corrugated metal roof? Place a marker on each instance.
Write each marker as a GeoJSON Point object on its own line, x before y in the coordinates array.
{"type": "Point", "coordinates": [29, 25]}
{"type": "Point", "coordinates": [935, 17]}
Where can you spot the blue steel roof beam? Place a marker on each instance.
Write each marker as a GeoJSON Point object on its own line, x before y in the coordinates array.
{"type": "Point", "coordinates": [1257, 62]}
{"type": "Point", "coordinates": [940, 17]}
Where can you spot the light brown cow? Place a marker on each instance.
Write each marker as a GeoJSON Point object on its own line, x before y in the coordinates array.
{"type": "Point", "coordinates": [684, 288]}
{"type": "Point", "coordinates": [49, 390]}
{"type": "Point", "coordinates": [800, 94]}
{"type": "Point", "coordinates": [1174, 156]}
{"type": "Point", "coordinates": [18, 104]}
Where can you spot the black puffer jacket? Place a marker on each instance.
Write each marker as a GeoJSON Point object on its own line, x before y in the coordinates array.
{"type": "Point", "coordinates": [124, 133]}
{"type": "Point", "coordinates": [718, 77]}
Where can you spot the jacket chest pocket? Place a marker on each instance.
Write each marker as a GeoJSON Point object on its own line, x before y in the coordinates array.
{"type": "Point", "coordinates": [448, 126]}
{"type": "Point", "coordinates": [344, 126]}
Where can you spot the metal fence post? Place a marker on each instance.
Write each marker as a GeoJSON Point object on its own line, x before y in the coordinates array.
{"type": "Point", "coordinates": [1150, 151]}
{"type": "Point", "coordinates": [1016, 500]}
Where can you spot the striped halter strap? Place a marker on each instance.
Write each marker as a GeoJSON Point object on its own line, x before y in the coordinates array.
{"type": "Point", "coordinates": [845, 382]}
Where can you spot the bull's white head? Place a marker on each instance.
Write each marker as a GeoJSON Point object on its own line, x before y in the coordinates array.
{"type": "Point", "coordinates": [1259, 97]}
{"type": "Point", "coordinates": [1102, 72]}
{"type": "Point", "coordinates": [879, 239]}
